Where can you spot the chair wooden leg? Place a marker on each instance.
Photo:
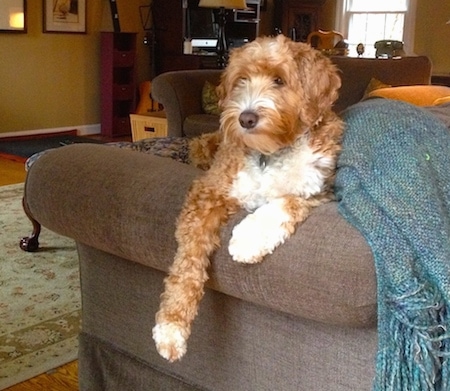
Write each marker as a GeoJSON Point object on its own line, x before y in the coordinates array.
{"type": "Point", "coordinates": [30, 243]}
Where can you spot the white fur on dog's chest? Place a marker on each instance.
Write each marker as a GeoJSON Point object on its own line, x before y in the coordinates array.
{"type": "Point", "coordinates": [295, 171]}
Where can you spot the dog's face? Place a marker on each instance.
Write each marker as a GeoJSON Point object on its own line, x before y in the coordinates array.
{"type": "Point", "coordinates": [274, 90]}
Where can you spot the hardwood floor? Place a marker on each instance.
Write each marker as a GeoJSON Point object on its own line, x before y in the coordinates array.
{"type": "Point", "coordinates": [64, 378]}
{"type": "Point", "coordinates": [12, 171]}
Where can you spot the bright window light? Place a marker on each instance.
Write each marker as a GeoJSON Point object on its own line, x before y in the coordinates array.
{"type": "Point", "coordinates": [366, 22]}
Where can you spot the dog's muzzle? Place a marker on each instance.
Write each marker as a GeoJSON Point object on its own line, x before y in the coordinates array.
{"type": "Point", "coordinates": [248, 119]}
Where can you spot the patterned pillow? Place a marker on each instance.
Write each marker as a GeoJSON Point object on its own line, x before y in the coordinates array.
{"type": "Point", "coordinates": [210, 99]}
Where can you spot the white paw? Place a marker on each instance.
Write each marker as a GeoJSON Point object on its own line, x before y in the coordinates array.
{"type": "Point", "coordinates": [259, 233]}
{"type": "Point", "coordinates": [169, 340]}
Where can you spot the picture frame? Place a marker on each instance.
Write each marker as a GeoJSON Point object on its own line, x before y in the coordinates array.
{"type": "Point", "coordinates": [13, 16]}
{"type": "Point", "coordinates": [64, 16]}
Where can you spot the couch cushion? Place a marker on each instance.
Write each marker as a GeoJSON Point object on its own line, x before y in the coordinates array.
{"type": "Point", "coordinates": [197, 124]}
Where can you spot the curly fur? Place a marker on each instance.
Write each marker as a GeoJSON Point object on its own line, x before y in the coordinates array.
{"type": "Point", "coordinates": [275, 155]}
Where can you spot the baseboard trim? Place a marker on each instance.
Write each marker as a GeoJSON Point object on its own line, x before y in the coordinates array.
{"type": "Point", "coordinates": [82, 130]}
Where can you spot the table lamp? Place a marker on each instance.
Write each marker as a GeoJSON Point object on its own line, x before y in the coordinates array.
{"type": "Point", "coordinates": [223, 5]}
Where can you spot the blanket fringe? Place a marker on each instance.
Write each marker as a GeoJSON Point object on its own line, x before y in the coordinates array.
{"type": "Point", "coordinates": [416, 357]}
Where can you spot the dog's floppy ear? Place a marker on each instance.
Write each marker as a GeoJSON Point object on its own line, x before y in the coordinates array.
{"type": "Point", "coordinates": [221, 89]}
{"type": "Point", "coordinates": [224, 86]}
{"type": "Point", "coordinates": [229, 76]}
{"type": "Point", "coordinates": [319, 78]}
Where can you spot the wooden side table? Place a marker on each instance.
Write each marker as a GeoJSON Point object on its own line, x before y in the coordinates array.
{"type": "Point", "coordinates": [148, 125]}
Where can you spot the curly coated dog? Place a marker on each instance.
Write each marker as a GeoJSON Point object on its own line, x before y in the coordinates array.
{"type": "Point", "coordinates": [279, 142]}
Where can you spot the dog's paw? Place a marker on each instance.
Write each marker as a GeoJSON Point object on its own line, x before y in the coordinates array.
{"type": "Point", "coordinates": [259, 233]}
{"type": "Point", "coordinates": [170, 341]}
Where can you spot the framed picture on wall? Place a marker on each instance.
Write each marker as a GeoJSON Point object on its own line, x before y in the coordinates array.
{"type": "Point", "coordinates": [13, 16]}
{"type": "Point", "coordinates": [65, 16]}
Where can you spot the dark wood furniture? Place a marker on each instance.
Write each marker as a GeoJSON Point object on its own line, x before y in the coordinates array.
{"type": "Point", "coordinates": [169, 23]}
{"type": "Point", "coordinates": [118, 84]}
{"type": "Point", "coordinates": [297, 18]}
{"type": "Point", "coordinates": [441, 79]}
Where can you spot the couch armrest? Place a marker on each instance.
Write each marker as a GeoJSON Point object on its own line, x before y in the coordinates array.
{"type": "Point", "coordinates": [126, 203]}
{"type": "Point", "coordinates": [109, 197]}
{"type": "Point", "coordinates": [180, 93]}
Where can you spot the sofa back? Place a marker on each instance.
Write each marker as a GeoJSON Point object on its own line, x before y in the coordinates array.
{"type": "Point", "coordinates": [180, 92]}
{"type": "Point", "coordinates": [356, 74]}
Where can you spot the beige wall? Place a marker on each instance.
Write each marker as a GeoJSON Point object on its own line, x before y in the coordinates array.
{"type": "Point", "coordinates": [432, 36]}
{"type": "Point", "coordinates": [52, 80]}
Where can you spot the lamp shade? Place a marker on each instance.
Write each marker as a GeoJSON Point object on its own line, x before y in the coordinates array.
{"type": "Point", "coordinates": [229, 4]}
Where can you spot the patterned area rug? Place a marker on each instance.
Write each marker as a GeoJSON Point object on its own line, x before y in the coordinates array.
{"type": "Point", "coordinates": [39, 297]}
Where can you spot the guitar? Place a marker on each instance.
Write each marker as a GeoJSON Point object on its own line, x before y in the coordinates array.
{"type": "Point", "coordinates": [146, 104]}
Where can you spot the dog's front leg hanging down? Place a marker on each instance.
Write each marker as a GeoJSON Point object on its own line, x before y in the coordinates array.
{"type": "Point", "coordinates": [179, 304]}
{"type": "Point", "coordinates": [197, 236]}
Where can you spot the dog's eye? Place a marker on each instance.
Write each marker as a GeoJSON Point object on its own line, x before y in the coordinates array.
{"type": "Point", "coordinates": [241, 81]}
{"type": "Point", "coordinates": [278, 81]}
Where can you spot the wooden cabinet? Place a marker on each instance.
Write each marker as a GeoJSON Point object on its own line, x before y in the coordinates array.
{"type": "Point", "coordinates": [171, 30]}
{"type": "Point", "coordinates": [118, 84]}
{"type": "Point", "coordinates": [243, 24]}
{"type": "Point", "coordinates": [296, 17]}
{"type": "Point", "coordinates": [169, 37]}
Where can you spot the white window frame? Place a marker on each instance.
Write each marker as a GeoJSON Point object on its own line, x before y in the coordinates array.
{"type": "Point", "coordinates": [342, 23]}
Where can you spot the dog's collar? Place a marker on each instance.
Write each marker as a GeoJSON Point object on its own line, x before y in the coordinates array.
{"type": "Point", "coordinates": [263, 161]}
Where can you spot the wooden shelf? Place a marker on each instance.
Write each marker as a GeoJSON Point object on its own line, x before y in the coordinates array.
{"type": "Point", "coordinates": [118, 84]}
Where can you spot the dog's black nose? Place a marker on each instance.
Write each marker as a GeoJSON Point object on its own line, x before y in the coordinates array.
{"type": "Point", "coordinates": [248, 119]}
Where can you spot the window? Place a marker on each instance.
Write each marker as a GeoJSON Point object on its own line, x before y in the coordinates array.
{"type": "Point", "coordinates": [366, 21]}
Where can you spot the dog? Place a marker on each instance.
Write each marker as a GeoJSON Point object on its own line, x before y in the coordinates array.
{"type": "Point", "coordinates": [274, 155]}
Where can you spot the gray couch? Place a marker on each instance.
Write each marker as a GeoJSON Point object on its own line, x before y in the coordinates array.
{"type": "Point", "coordinates": [304, 319]}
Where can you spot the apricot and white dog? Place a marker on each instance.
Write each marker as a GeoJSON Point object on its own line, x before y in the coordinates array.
{"type": "Point", "coordinates": [279, 141]}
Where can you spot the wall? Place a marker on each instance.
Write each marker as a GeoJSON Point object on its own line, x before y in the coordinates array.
{"type": "Point", "coordinates": [51, 81]}
{"type": "Point", "coordinates": [432, 35]}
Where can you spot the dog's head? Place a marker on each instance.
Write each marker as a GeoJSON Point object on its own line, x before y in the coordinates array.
{"type": "Point", "coordinates": [274, 90]}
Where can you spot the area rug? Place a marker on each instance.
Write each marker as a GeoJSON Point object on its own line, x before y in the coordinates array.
{"type": "Point", "coordinates": [39, 297]}
{"type": "Point", "coordinates": [29, 146]}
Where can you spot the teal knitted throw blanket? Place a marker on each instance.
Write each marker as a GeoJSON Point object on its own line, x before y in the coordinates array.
{"type": "Point", "coordinates": [393, 185]}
